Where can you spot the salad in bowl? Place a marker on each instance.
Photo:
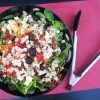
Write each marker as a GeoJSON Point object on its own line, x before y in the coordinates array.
{"type": "Point", "coordinates": [33, 50]}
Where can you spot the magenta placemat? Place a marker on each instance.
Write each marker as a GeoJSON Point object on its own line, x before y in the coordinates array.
{"type": "Point", "coordinates": [88, 40]}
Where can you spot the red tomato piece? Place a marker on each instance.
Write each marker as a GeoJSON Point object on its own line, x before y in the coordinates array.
{"type": "Point", "coordinates": [59, 76]}
{"type": "Point", "coordinates": [13, 74]}
{"type": "Point", "coordinates": [9, 73]}
{"type": "Point", "coordinates": [28, 33]}
{"type": "Point", "coordinates": [52, 83]}
{"type": "Point", "coordinates": [8, 66]}
{"type": "Point", "coordinates": [6, 36]}
{"type": "Point", "coordinates": [53, 44]}
{"type": "Point", "coordinates": [56, 69]}
{"type": "Point", "coordinates": [39, 56]}
{"type": "Point", "coordinates": [41, 37]}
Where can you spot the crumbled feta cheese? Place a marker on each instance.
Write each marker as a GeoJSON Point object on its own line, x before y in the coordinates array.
{"type": "Point", "coordinates": [9, 41]}
{"type": "Point", "coordinates": [16, 39]}
{"type": "Point", "coordinates": [42, 72]}
{"type": "Point", "coordinates": [3, 29]}
{"type": "Point", "coordinates": [23, 40]}
{"type": "Point", "coordinates": [38, 49]}
{"type": "Point", "coordinates": [25, 13]}
{"type": "Point", "coordinates": [57, 31]}
{"type": "Point", "coordinates": [9, 28]}
{"type": "Point", "coordinates": [16, 18]}
{"type": "Point", "coordinates": [63, 41]}
{"type": "Point", "coordinates": [16, 62]}
{"type": "Point", "coordinates": [67, 37]}
{"type": "Point", "coordinates": [28, 80]}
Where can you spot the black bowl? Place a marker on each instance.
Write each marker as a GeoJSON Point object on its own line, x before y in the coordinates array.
{"type": "Point", "coordinates": [17, 11]}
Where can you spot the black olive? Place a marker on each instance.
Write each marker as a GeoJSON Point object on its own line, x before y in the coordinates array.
{"type": "Point", "coordinates": [42, 76]}
{"type": "Point", "coordinates": [63, 46]}
{"type": "Point", "coordinates": [0, 53]}
{"type": "Point", "coordinates": [17, 14]}
{"type": "Point", "coordinates": [36, 18]}
{"type": "Point", "coordinates": [31, 12]}
{"type": "Point", "coordinates": [12, 38]}
{"type": "Point", "coordinates": [31, 37]}
{"type": "Point", "coordinates": [42, 67]}
{"type": "Point", "coordinates": [28, 60]}
{"type": "Point", "coordinates": [47, 25]}
{"type": "Point", "coordinates": [32, 51]}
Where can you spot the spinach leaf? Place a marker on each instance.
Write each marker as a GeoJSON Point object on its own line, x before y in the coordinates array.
{"type": "Point", "coordinates": [65, 51]}
{"type": "Point", "coordinates": [1, 80]}
{"type": "Point", "coordinates": [11, 80]}
{"type": "Point", "coordinates": [2, 34]}
{"type": "Point", "coordinates": [22, 17]}
{"type": "Point", "coordinates": [8, 17]}
{"type": "Point", "coordinates": [40, 22]}
{"type": "Point", "coordinates": [49, 15]}
{"type": "Point", "coordinates": [61, 60]}
{"type": "Point", "coordinates": [2, 24]}
{"type": "Point", "coordinates": [41, 15]}
{"type": "Point", "coordinates": [30, 88]}
{"type": "Point", "coordinates": [50, 60]}
{"type": "Point", "coordinates": [58, 25]}
{"type": "Point", "coordinates": [1, 67]}
{"type": "Point", "coordinates": [1, 44]}
{"type": "Point", "coordinates": [58, 38]}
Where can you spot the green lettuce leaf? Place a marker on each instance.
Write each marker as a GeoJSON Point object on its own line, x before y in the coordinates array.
{"type": "Point", "coordinates": [49, 15]}
{"type": "Point", "coordinates": [2, 24]}
{"type": "Point", "coordinates": [61, 60]}
{"type": "Point", "coordinates": [8, 17]}
{"type": "Point", "coordinates": [1, 67]}
{"type": "Point", "coordinates": [58, 25]}
{"type": "Point", "coordinates": [58, 38]}
{"type": "Point", "coordinates": [65, 51]}
{"type": "Point", "coordinates": [41, 15]}
{"type": "Point", "coordinates": [30, 88]}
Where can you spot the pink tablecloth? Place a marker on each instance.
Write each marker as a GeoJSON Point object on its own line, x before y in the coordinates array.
{"type": "Point", "coordinates": [88, 40]}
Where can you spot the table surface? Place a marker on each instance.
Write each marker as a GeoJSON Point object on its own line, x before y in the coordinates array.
{"type": "Point", "coordinates": [88, 40]}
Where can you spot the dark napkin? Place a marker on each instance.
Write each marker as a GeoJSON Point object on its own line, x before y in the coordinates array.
{"type": "Point", "coordinates": [93, 94]}
{"type": "Point", "coordinates": [25, 2]}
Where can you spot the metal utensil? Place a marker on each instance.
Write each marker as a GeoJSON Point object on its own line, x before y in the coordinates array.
{"type": "Point", "coordinates": [73, 77]}
{"type": "Point", "coordinates": [75, 26]}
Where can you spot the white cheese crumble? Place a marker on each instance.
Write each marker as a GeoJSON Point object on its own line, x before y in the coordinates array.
{"type": "Point", "coordinates": [16, 62]}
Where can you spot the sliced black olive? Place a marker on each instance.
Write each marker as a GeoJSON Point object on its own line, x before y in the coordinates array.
{"type": "Point", "coordinates": [12, 38]}
{"type": "Point", "coordinates": [28, 60]}
{"type": "Point", "coordinates": [31, 37]}
{"type": "Point", "coordinates": [63, 46]}
{"type": "Point", "coordinates": [0, 53]}
{"type": "Point", "coordinates": [32, 51]}
{"type": "Point", "coordinates": [36, 18]}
